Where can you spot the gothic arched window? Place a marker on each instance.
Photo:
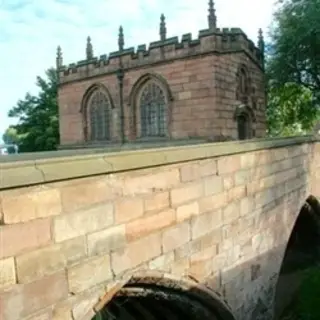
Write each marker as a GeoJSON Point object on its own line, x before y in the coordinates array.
{"type": "Point", "coordinates": [152, 105]}
{"type": "Point", "coordinates": [98, 116]}
{"type": "Point", "coordinates": [243, 82]}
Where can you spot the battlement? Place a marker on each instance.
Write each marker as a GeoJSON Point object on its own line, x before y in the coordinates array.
{"type": "Point", "coordinates": [219, 40]}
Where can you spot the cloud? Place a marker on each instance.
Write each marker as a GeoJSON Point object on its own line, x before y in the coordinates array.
{"type": "Point", "coordinates": [32, 29]}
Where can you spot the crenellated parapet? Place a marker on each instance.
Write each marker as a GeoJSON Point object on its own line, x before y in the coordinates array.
{"type": "Point", "coordinates": [211, 40]}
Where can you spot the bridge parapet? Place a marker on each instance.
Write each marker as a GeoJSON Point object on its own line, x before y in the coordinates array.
{"type": "Point", "coordinates": [74, 224]}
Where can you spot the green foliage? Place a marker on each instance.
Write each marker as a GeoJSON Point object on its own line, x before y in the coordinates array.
{"type": "Point", "coordinates": [296, 43]}
{"type": "Point", "coordinates": [38, 127]}
{"type": "Point", "coordinates": [293, 68]}
{"type": "Point", "coordinates": [11, 136]}
{"type": "Point", "coordinates": [309, 296]}
{"type": "Point", "coordinates": [306, 305]}
{"type": "Point", "coordinates": [292, 110]}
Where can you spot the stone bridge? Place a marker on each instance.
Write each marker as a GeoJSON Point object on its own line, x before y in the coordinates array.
{"type": "Point", "coordinates": [190, 232]}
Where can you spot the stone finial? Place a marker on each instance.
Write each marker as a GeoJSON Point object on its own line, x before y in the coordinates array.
{"type": "Point", "coordinates": [212, 19]}
{"type": "Point", "coordinates": [261, 44]}
{"type": "Point", "coordinates": [59, 60]}
{"type": "Point", "coordinates": [89, 49]}
{"type": "Point", "coordinates": [163, 29]}
{"type": "Point", "coordinates": [121, 39]}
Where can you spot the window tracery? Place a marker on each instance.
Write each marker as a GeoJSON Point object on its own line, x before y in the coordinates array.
{"type": "Point", "coordinates": [98, 116]}
{"type": "Point", "coordinates": [153, 110]}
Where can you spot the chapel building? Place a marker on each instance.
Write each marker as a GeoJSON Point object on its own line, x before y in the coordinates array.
{"type": "Point", "coordinates": [210, 88]}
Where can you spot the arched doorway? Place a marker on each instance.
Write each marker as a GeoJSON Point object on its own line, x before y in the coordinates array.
{"type": "Point", "coordinates": [156, 298]}
{"type": "Point", "coordinates": [243, 126]}
{"type": "Point", "coordinates": [301, 254]}
{"type": "Point", "coordinates": [245, 121]}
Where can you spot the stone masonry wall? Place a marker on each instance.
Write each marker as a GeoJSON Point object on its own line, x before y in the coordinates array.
{"type": "Point", "coordinates": [224, 220]}
{"type": "Point", "coordinates": [204, 98]}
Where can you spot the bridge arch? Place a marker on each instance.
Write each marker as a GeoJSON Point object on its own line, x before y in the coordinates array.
{"type": "Point", "coordinates": [156, 295]}
{"type": "Point", "coordinates": [301, 253]}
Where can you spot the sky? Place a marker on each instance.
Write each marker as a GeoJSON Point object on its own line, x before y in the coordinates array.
{"type": "Point", "coordinates": [31, 30]}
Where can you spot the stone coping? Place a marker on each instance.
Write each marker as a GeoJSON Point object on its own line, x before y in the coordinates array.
{"type": "Point", "coordinates": [21, 172]}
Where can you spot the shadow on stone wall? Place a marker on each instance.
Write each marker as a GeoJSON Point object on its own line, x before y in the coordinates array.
{"type": "Point", "coordinates": [155, 295]}
{"type": "Point", "coordinates": [302, 253]}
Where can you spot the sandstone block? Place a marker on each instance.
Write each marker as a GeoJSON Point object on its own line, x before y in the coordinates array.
{"type": "Point", "coordinates": [201, 262]}
{"type": "Point", "coordinates": [89, 273]}
{"type": "Point", "coordinates": [231, 212]}
{"type": "Point", "coordinates": [228, 182]}
{"type": "Point", "coordinates": [176, 236]}
{"type": "Point", "coordinates": [248, 160]}
{"type": "Point", "coordinates": [213, 202]}
{"type": "Point", "coordinates": [237, 193]}
{"type": "Point", "coordinates": [184, 95]}
{"type": "Point", "coordinates": [18, 238]}
{"type": "Point", "coordinates": [205, 223]}
{"type": "Point", "coordinates": [141, 227]}
{"type": "Point", "coordinates": [42, 262]}
{"type": "Point", "coordinates": [25, 206]}
{"type": "Point", "coordinates": [213, 185]}
{"type": "Point", "coordinates": [163, 262]}
{"type": "Point", "coordinates": [247, 205]}
{"type": "Point", "coordinates": [42, 315]}
{"type": "Point", "coordinates": [243, 177]}
{"type": "Point", "coordinates": [85, 303]}
{"type": "Point", "coordinates": [190, 172]}
{"type": "Point", "coordinates": [151, 183]}
{"type": "Point", "coordinates": [106, 240]}
{"type": "Point", "coordinates": [79, 223]}
{"type": "Point", "coordinates": [7, 272]}
{"type": "Point", "coordinates": [186, 211]}
{"type": "Point", "coordinates": [229, 164]}
{"type": "Point", "coordinates": [136, 253]}
{"type": "Point", "coordinates": [208, 168]}
{"type": "Point", "coordinates": [84, 193]}
{"type": "Point", "coordinates": [157, 201]}
{"type": "Point", "coordinates": [128, 209]}
{"type": "Point", "coordinates": [186, 193]}
{"type": "Point", "coordinates": [24, 300]}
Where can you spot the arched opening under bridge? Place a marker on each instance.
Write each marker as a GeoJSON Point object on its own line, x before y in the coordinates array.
{"type": "Point", "coordinates": [155, 298]}
{"type": "Point", "coordinates": [302, 253]}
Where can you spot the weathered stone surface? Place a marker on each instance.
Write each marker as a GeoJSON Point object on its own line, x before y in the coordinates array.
{"type": "Point", "coordinates": [7, 272]}
{"type": "Point", "coordinates": [198, 218]}
{"type": "Point", "coordinates": [142, 250]}
{"type": "Point", "coordinates": [19, 238]}
{"type": "Point", "coordinates": [81, 276]}
{"type": "Point", "coordinates": [185, 194]}
{"type": "Point", "coordinates": [128, 209]}
{"type": "Point", "coordinates": [80, 195]}
{"type": "Point", "coordinates": [205, 223]}
{"type": "Point", "coordinates": [82, 222]}
{"type": "Point", "coordinates": [176, 236]}
{"type": "Point", "coordinates": [186, 211]}
{"type": "Point", "coordinates": [41, 203]}
{"type": "Point", "coordinates": [152, 223]}
{"type": "Point", "coordinates": [23, 300]}
{"type": "Point", "coordinates": [106, 240]}
{"type": "Point", "coordinates": [157, 201]}
{"type": "Point", "coordinates": [47, 260]}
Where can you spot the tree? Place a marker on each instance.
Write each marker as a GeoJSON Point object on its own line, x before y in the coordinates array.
{"type": "Point", "coordinates": [292, 110]}
{"type": "Point", "coordinates": [293, 67]}
{"type": "Point", "coordinates": [38, 126]}
{"type": "Point", "coordinates": [296, 43]}
{"type": "Point", "coordinates": [10, 136]}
